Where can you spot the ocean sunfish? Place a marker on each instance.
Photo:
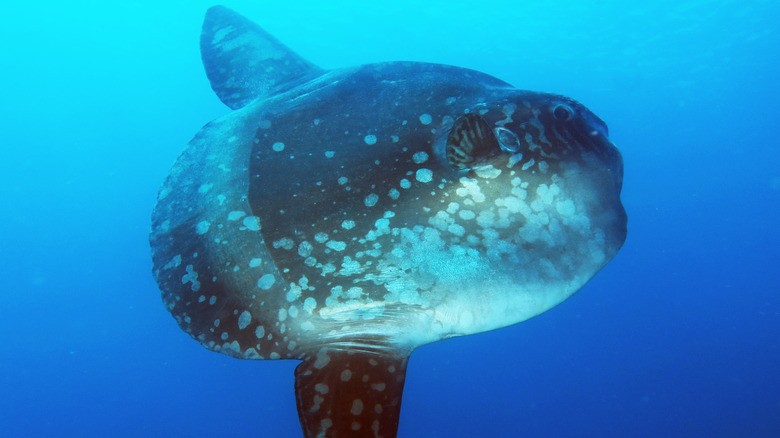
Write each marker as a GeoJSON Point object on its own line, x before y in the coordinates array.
{"type": "Point", "coordinates": [345, 217]}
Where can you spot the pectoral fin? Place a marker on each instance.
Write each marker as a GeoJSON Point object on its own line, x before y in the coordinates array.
{"type": "Point", "coordinates": [470, 140]}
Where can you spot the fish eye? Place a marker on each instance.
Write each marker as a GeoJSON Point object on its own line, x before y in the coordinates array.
{"type": "Point", "coordinates": [508, 140]}
{"type": "Point", "coordinates": [563, 112]}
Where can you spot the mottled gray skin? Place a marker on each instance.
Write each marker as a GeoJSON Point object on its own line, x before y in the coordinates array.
{"type": "Point", "coordinates": [323, 177]}
{"type": "Point", "coordinates": [329, 215]}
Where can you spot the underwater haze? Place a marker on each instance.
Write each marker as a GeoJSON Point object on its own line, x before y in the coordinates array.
{"type": "Point", "coordinates": [679, 336]}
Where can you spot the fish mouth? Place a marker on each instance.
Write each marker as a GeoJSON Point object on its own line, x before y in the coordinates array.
{"type": "Point", "coordinates": [593, 136]}
{"type": "Point", "coordinates": [592, 140]}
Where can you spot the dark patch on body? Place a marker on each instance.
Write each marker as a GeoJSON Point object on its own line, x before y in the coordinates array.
{"type": "Point", "coordinates": [303, 182]}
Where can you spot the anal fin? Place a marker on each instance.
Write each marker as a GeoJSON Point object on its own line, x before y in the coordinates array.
{"type": "Point", "coordinates": [354, 394]}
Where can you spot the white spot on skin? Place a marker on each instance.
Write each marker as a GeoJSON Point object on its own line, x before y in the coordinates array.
{"type": "Point", "coordinates": [486, 218]}
{"type": "Point", "coordinates": [285, 243]}
{"type": "Point", "coordinates": [349, 266]}
{"type": "Point", "coordinates": [514, 159]}
{"type": "Point", "coordinates": [278, 146]}
{"type": "Point", "coordinates": [282, 314]}
{"type": "Point", "coordinates": [370, 139]}
{"type": "Point", "coordinates": [266, 281]}
{"type": "Point", "coordinates": [357, 407]}
{"type": "Point", "coordinates": [566, 207]}
{"type": "Point", "coordinates": [330, 154]}
{"type": "Point", "coordinates": [236, 215]}
{"type": "Point", "coordinates": [321, 237]}
{"type": "Point", "coordinates": [202, 227]}
{"type": "Point", "coordinates": [456, 230]}
{"type": "Point", "coordinates": [424, 175]}
{"type": "Point", "coordinates": [309, 304]}
{"type": "Point", "coordinates": [487, 172]}
{"type": "Point", "coordinates": [244, 319]}
{"type": "Point", "coordinates": [354, 293]}
{"type": "Point", "coordinates": [255, 262]}
{"type": "Point", "coordinates": [304, 249]}
{"type": "Point", "coordinates": [467, 215]}
{"type": "Point", "coordinates": [336, 245]}
{"type": "Point", "coordinates": [322, 360]}
{"type": "Point", "coordinates": [420, 157]}
{"type": "Point", "coordinates": [513, 204]}
{"type": "Point", "coordinates": [509, 109]}
{"type": "Point", "coordinates": [252, 223]}
{"type": "Point", "coordinates": [405, 183]}
{"type": "Point", "coordinates": [316, 407]}
{"type": "Point", "coordinates": [393, 194]}
{"type": "Point", "coordinates": [174, 263]}
{"type": "Point", "coordinates": [321, 388]}
{"type": "Point", "coordinates": [470, 188]}
{"type": "Point", "coordinates": [426, 119]}
{"type": "Point", "coordinates": [234, 346]}
{"type": "Point", "coordinates": [191, 277]}
{"type": "Point", "coordinates": [546, 193]}
{"type": "Point", "coordinates": [259, 332]}
{"type": "Point", "coordinates": [348, 225]}
{"type": "Point", "coordinates": [371, 200]}
{"type": "Point", "coordinates": [346, 375]}
{"type": "Point", "coordinates": [382, 225]}
{"type": "Point", "coordinates": [294, 293]}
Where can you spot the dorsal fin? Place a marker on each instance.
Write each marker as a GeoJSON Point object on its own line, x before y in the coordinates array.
{"type": "Point", "coordinates": [243, 62]}
{"type": "Point", "coordinates": [350, 393]}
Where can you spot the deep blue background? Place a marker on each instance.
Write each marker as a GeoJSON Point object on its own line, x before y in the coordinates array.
{"type": "Point", "coordinates": [679, 336]}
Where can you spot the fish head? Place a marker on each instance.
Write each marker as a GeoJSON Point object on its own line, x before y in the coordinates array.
{"type": "Point", "coordinates": [536, 204]}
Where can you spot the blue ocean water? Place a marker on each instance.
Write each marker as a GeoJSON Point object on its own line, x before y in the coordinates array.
{"type": "Point", "coordinates": [679, 336]}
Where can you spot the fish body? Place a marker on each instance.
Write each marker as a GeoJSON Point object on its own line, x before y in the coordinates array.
{"type": "Point", "coordinates": [344, 218]}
